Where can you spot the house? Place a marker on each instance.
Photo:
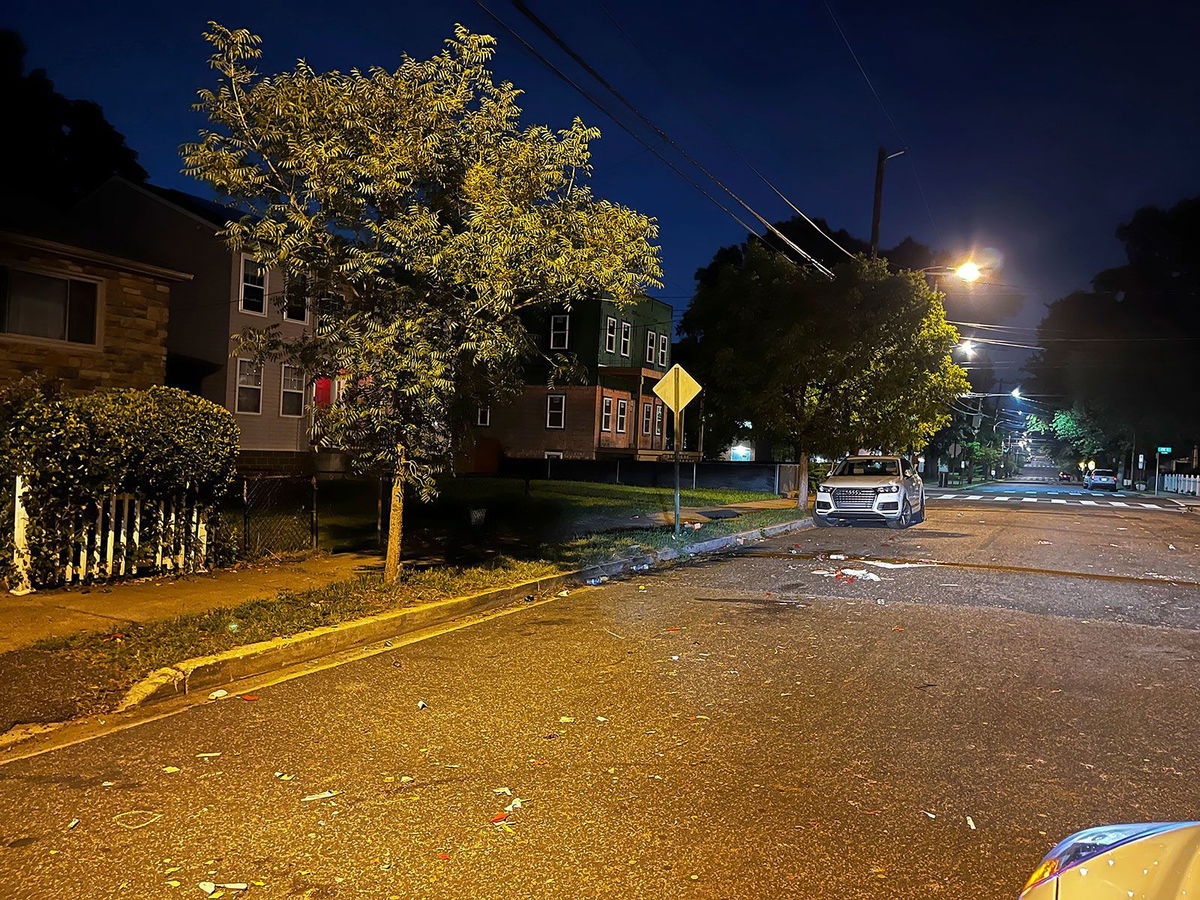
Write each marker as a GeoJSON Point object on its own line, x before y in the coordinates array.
{"type": "Point", "coordinates": [84, 318]}
{"type": "Point", "coordinates": [614, 414]}
{"type": "Point", "coordinates": [229, 292]}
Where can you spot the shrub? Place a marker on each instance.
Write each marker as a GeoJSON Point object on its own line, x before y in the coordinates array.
{"type": "Point", "coordinates": [157, 444]}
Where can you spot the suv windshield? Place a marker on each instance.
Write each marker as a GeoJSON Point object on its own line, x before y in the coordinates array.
{"type": "Point", "coordinates": [876, 467]}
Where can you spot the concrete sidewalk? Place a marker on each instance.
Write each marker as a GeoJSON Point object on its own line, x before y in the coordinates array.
{"type": "Point", "coordinates": [58, 613]}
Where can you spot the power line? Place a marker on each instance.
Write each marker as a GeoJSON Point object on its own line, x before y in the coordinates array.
{"type": "Point", "coordinates": [596, 103]}
{"type": "Point", "coordinates": [587, 67]}
{"type": "Point", "coordinates": [883, 106]}
{"type": "Point", "coordinates": [716, 132]}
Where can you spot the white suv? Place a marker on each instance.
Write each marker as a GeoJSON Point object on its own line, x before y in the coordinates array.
{"type": "Point", "coordinates": [871, 489]}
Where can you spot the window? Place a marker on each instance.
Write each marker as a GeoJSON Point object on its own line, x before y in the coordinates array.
{"type": "Point", "coordinates": [249, 387]}
{"type": "Point", "coordinates": [606, 415]}
{"type": "Point", "coordinates": [331, 306]}
{"type": "Point", "coordinates": [291, 392]}
{"type": "Point", "coordinates": [658, 419]}
{"type": "Point", "coordinates": [560, 332]}
{"type": "Point", "coordinates": [610, 336]}
{"type": "Point", "coordinates": [553, 454]}
{"type": "Point", "coordinates": [622, 415]}
{"type": "Point", "coordinates": [647, 417]}
{"type": "Point", "coordinates": [626, 338]}
{"type": "Point", "coordinates": [871, 466]}
{"type": "Point", "coordinates": [484, 417]}
{"type": "Point", "coordinates": [295, 302]}
{"type": "Point", "coordinates": [556, 411]}
{"type": "Point", "coordinates": [662, 350]}
{"type": "Point", "coordinates": [45, 306]}
{"type": "Point", "coordinates": [254, 287]}
{"type": "Point", "coordinates": [651, 344]}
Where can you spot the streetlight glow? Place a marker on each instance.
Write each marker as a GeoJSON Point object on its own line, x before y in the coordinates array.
{"type": "Point", "coordinates": [967, 347]}
{"type": "Point", "coordinates": [1016, 392]}
{"type": "Point", "coordinates": [968, 271]}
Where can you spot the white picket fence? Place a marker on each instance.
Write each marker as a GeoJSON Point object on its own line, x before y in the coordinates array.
{"type": "Point", "coordinates": [116, 537]}
{"type": "Point", "coordinates": [1182, 484]}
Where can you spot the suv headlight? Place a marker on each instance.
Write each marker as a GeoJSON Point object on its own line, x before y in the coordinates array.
{"type": "Point", "coordinates": [1083, 845]}
{"type": "Point", "coordinates": [888, 489]}
{"type": "Point", "coordinates": [823, 489]}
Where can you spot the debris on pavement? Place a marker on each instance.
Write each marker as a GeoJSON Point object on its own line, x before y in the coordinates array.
{"type": "Point", "coordinates": [1043, 542]}
{"type": "Point", "coordinates": [284, 776]}
{"type": "Point", "coordinates": [928, 813]}
{"type": "Point", "coordinates": [864, 574]}
{"type": "Point", "coordinates": [421, 704]}
{"type": "Point", "coordinates": [211, 889]}
{"type": "Point", "coordinates": [324, 795]}
{"type": "Point", "coordinates": [502, 790]}
{"type": "Point", "coordinates": [641, 589]}
{"type": "Point", "coordinates": [207, 755]}
{"type": "Point", "coordinates": [970, 823]}
{"type": "Point", "coordinates": [72, 823]}
{"type": "Point", "coordinates": [499, 817]}
{"type": "Point", "coordinates": [218, 694]}
{"type": "Point", "coordinates": [249, 698]}
{"type": "Point", "coordinates": [563, 593]}
{"type": "Point", "coordinates": [171, 770]}
{"type": "Point", "coordinates": [566, 719]}
{"type": "Point", "coordinates": [529, 598]}
{"type": "Point", "coordinates": [137, 818]}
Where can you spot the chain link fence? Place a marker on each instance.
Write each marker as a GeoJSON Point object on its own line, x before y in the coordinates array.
{"type": "Point", "coordinates": [272, 514]}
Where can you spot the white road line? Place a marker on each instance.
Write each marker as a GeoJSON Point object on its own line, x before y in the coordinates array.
{"type": "Point", "coordinates": [1117, 503]}
{"type": "Point", "coordinates": [1029, 499]}
{"type": "Point", "coordinates": [1058, 501]}
{"type": "Point", "coordinates": [974, 497]}
{"type": "Point", "coordinates": [1089, 502]}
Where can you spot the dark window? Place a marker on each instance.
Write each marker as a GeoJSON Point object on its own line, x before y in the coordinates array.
{"type": "Point", "coordinates": [622, 415]}
{"type": "Point", "coordinates": [254, 287]}
{"type": "Point", "coordinates": [556, 411]}
{"type": "Point", "coordinates": [560, 332]}
{"type": "Point", "coordinates": [610, 336]}
{"type": "Point", "coordinates": [484, 416]}
{"type": "Point", "coordinates": [606, 415]}
{"type": "Point", "coordinates": [46, 306]}
{"type": "Point", "coordinates": [249, 386]}
{"type": "Point", "coordinates": [662, 350]}
{"type": "Point", "coordinates": [626, 336]}
{"type": "Point", "coordinates": [651, 342]}
{"type": "Point", "coordinates": [295, 304]}
{"type": "Point", "coordinates": [291, 396]}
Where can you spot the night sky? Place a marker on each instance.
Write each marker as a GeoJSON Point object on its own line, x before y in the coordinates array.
{"type": "Point", "coordinates": [1033, 129]}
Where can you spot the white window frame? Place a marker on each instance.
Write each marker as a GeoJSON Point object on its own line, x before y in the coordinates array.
{"type": "Point", "coordinates": [283, 389]}
{"type": "Point", "coordinates": [610, 335]}
{"type": "Point", "coordinates": [483, 417]}
{"type": "Point", "coordinates": [237, 391]}
{"type": "Point", "coordinates": [562, 413]}
{"type": "Point", "coordinates": [553, 454]}
{"type": "Point", "coordinates": [626, 339]}
{"type": "Point", "coordinates": [663, 345]}
{"type": "Point", "coordinates": [284, 311]}
{"type": "Point", "coordinates": [242, 286]}
{"type": "Point", "coordinates": [658, 419]}
{"type": "Point", "coordinates": [565, 331]}
{"type": "Point", "coordinates": [651, 346]}
{"type": "Point", "coordinates": [606, 413]}
{"type": "Point", "coordinates": [622, 415]}
{"type": "Point", "coordinates": [647, 417]}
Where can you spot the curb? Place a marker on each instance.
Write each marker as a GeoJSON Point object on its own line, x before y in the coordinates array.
{"type": "Point", "coordinates": [203, 672]}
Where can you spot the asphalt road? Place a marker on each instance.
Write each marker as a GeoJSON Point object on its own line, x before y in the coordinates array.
{"type": "Point", "coordinates": [746, 727]}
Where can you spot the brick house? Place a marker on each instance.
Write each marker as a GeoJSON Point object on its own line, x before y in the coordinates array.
{"type": "Point", "coordinates": [230, 291]}
{"type": "Point", "coordinates": [84, 318]}
{"type": "Point", "coordinates": [615, 414]}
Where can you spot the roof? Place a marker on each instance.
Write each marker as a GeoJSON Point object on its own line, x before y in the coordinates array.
{"type": "Point", "coordinates": [209, 210]}
{"type": "Point", "coordinates": [118, 262]}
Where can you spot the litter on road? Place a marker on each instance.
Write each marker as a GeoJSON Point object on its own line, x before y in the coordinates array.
{"type": "Point", "coordinates": [421, 704]}
{"type": "Point", "coordinates": [324, 795]}
{"type": "Point", "coordinates": [218, 694]}
{"type": "Point", "coordinates": [136, 818]}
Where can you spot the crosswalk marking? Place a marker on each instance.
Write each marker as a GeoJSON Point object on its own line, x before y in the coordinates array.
{"type": "Point", "coordinates": [1166, 505]}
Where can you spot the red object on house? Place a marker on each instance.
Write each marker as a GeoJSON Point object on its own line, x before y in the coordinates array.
{"type": "Point", "coordinates": [323, 390]}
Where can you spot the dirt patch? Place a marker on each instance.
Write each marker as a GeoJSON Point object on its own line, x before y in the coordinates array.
{"type": "Point", "coordinates": [42, 686]}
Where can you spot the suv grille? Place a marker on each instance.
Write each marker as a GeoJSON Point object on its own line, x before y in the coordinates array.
{"type": "Point", "coordinates": [854, 498]}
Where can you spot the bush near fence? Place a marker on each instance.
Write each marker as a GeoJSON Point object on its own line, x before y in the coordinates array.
{"type": "Point", "coordinates": [113, 482]}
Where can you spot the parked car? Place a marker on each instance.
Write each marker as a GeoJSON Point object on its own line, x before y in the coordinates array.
{"type": "Point", "coordinates": [1065, 477]}
{"type": "Point", "coordinates": [871, 489]}
{"type": "Point", "coordinates": [1150, 860]}
{"type": "Point", "coordinates": [1100, 480]}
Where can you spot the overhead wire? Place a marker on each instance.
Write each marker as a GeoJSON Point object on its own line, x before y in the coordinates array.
{"type": "Point", "coordinates": [591, 70]}
{"type": "Point", "coordinates": [716, 133]}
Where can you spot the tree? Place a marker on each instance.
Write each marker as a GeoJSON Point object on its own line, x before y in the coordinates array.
{"type": "Point", "coordinates": [1078, 428]}
{"type": "Point", "coordinates": [57, 149]}
{"type": "Point", "coordinates": [1123, 351]}
{"type": "Point", "coordinates": [862, 360]}
{"type": "Point", "coordinates": [418, 195]}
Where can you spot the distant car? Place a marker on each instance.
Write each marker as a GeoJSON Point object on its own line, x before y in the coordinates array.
{"type": "Point", "coordinates": [1100, 480]}
{"type": "Point", "coordinates": [1065, 477]}
{"type": "Point", "coordinates": [871, 489]}
{"type": "Point", "coordinates": [1148, 860]}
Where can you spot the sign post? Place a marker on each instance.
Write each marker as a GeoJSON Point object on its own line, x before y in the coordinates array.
{"type": "Point", "coordinates": [677, 389]}
{"type": "Point", "coordinates": [1157, 464]}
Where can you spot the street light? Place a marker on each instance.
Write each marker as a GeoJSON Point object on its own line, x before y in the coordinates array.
{"type": "Point", "coordinates": [968, 348]}
{"type": "Point", "coordinates": [968, 271]}
{"type": "Point", "coordinates": [1016, 392]}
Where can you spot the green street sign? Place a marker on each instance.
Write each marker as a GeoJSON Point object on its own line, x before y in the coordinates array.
{"type": "Point", "coordinates": [1164, 449]}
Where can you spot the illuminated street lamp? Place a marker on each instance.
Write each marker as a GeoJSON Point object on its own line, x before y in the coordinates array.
{"type": "Point", "coordinates": [1016, 392]}
{"type": "Point", "coordinates": [968, 348]}
{"type": "Point", "coordinates": [968, 271]}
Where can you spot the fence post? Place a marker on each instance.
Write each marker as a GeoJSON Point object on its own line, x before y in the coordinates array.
{"type": "Point", "coordinates": [21, 558]}
{"type": "Point", "coordinates": [245, 516]}
{"type": "Point", "coordinates": [137, 534]}
{"type": "Point", "coordinates": [111, 538]}
{"type": "Point", "coordinates": [315, 530]}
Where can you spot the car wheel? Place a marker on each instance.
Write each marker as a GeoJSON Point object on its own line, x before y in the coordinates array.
{"type": "Point", "coordinates": [904, 519]}
{"type": "Point", "coordinates": [920, 517]}
{"type": "Point", "coordinates": [821, 521]}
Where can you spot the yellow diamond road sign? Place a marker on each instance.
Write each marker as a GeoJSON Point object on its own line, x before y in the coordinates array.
{"type": "Point", "coordinates": [677, 388]}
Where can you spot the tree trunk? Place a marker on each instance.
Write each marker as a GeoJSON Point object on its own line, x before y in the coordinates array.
{"type": "Point", "coordinates": [802, 486]}
{"type": "Point", "coordinates": [391, 567]}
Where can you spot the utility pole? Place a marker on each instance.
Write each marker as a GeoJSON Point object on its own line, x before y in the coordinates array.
{"type": "Point", "coordinates": [877, 210]}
